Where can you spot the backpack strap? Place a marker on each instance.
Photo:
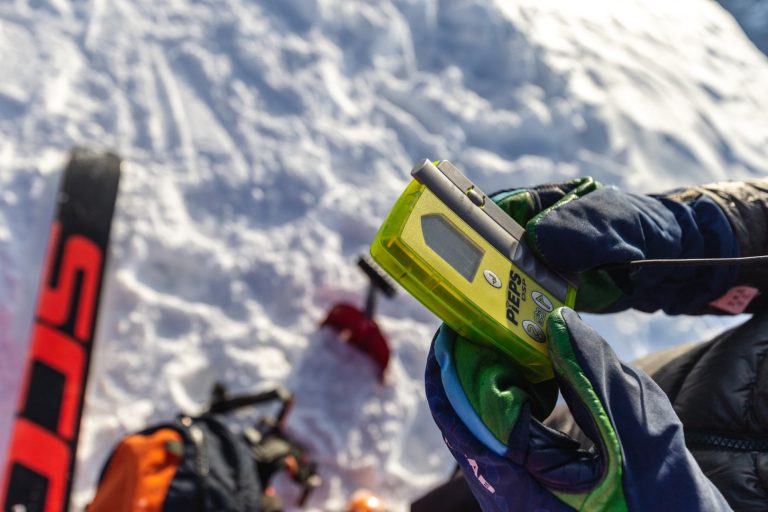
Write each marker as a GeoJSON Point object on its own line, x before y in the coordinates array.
{"type": "Point", "coordinates": [222, 403]}
{"type": "Point", "coordinates": [270, 448]}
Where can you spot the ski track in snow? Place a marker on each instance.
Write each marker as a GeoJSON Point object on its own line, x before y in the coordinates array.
{"type": "Point", "coordinates": [265, 142]}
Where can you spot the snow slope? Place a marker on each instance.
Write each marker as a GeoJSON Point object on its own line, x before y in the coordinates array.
{"type": "Point", "coordinates": [267, 140]}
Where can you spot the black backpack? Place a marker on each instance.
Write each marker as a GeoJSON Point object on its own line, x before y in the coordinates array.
{"type": "Point", "coordinates": [198, 464]}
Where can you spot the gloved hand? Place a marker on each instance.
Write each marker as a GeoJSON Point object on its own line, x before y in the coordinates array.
{"type": "Point", "coordinates": [490, 419]}
{"type": "Point", "coordinates": [603, 225]}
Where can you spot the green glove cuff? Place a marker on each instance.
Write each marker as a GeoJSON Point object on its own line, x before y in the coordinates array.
{"type": "Point", "coordinates": [608, 494]}
{"type": "Point", "coordinates": [597, 291]}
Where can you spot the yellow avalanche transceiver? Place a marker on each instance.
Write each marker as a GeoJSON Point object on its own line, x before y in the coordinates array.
{"type": "Point", "coordinates": [458, 253]}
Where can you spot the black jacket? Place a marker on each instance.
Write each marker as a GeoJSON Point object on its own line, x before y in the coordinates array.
{"type": "Point", "coordinates": [719, 390]}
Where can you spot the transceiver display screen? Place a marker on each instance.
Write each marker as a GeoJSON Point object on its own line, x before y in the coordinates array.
{"type": "Point", "coordinates": [451, 245]}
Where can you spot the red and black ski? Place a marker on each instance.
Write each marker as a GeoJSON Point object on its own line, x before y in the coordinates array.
{"type": "Point", "coordinates": [43, 444]}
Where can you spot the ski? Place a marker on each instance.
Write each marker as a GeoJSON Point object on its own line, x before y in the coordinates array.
{"type": "Point", "coordinates": [43, 443]}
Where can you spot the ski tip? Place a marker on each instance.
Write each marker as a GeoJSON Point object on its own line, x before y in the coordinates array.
{"type": "Point", "coordinates": [94, 157]}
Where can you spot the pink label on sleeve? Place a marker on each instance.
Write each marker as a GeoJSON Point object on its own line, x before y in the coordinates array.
{"type": "Point", "coordinates": [736, 299]}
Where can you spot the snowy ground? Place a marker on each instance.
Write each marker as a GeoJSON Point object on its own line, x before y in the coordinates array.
{"type": "Point", "coordinates": [267, 140]}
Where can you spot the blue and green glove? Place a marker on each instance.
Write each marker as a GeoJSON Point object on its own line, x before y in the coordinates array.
{"type": "Point", "coordinates": [602, 225]}
{"type": "Point", "coordinates": [490, 416]}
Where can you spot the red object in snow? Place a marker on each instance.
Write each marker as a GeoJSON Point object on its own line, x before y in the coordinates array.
{"type": "Point", "coordinates": [357, 326]}
{"type": "Point", "coordinates": [361, 332]}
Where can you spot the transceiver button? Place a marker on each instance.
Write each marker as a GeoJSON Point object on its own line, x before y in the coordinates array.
{"type": "Point", "coordinates": [476, 197]}
{"type": "Point", "coordinates": [542, 301]}
{"type": "Point", "coordinates": [534, 331]}
{"type": "Point", "coordinates": [492, 279]}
